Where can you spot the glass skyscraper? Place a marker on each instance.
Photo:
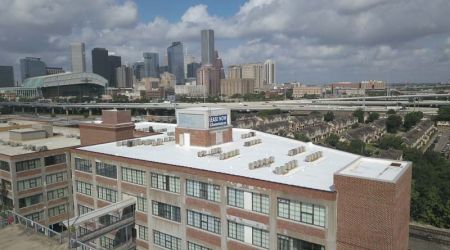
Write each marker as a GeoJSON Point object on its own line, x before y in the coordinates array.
{"type": "Point", "coordinates": [207, 47]}
{"type": "Point", "coordinates": [176, 61]}
{"type": "Point", "coordinates": [6, 76]}
{"type": "Point", "coordinates": [31, 67]}
{"type": "Point", "coordinates": [151, 64]}
{"type": "Point", "coordinates": [100, 62]}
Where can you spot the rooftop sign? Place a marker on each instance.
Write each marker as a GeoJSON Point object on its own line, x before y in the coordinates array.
{"type": "Point", "coordinates": [218, 121]}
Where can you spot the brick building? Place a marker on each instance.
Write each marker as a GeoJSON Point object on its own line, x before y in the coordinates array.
{"type": "Point", "coordinates": [200, 184]}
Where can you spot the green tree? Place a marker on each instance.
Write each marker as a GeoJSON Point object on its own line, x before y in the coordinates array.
{"type": "Point", "coordinates": [357, 147]}
{"type": "Point", "coordinates": [332, 140]}
{"type": "Point", "coordinates": [393, 123]}
{"type": "Point", "coordinates": [390, 141]}
{"type": "Point", "coordinates": [391, 112]}
{"type": "Point", "coordinates": [301, 137]}
{"type": "Point", "coordinates": [443, 113]}
{"type": "Point", "coordinates": [359, 113]}
{"type": "Point", "coordinates": [329, 116]}
{"type": "Point", "coordinates": [373, 116]}
{"type": "Point", "coordinates": [411, 119]}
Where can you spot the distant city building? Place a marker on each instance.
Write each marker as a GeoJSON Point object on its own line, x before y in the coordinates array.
{"type": "Point", "coordinates": [100, 62]}
{"type": "Point", "coordinates": [77, 57]}
{"type": "Point", "coordinates": [230, 87]}
{"type": "Point", "coordinates": [218, 64]}
{"type": "Point", "coordinates": [168, 80]}
{"type": "Point", "coordinates": [209, 77]}
{"type": "Point", "coordinates": [124, 76]}
{"type": "Point", "coordinates": [139, 70]}
{"type": "Point", "coordinates": [113, 63]}
{"type": "Point", "coordinates": [235, 72]}
{"type": "Point", "coordinates": [175, 56]}
{"type": "Point", "coordinates": [54, 70]}
{"type": "Point", "coordinates": [6, 76]}
{"type": "Point", "coordinates": [254, 71]}
{"type": "Point", "coordinates": [151, 64]}
{"type": "Point", "coordinates": [31, 67]}
{"type": "Point", "coordinates": [192, 69]}
{"type": "Point", "coordinates": [207, 37]}
{"type": "Point", "coordinates": [151, 83]}
{"type": "Point", "coordinates": [190, 90]}
{"type": "Point", "coordinates": [269, 72]}
{"type": "Point", "coordinates": [164, 68]}
{"type": "Point", "coordinates": [188, 59]}
{"type": "Point", "coordinates": [373, 84]}
{"type": "Point", "coordinates": [301, 91]}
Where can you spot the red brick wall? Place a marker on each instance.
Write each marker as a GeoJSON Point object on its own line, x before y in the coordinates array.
{"type": "Point", "coordinates": [372, 214]}
{"type": "Point", "coordinates": [99, 133]}
{"type": "Point", "coordinates": [203, 138]}
{"type": "Point", "coordinates": [116, 116]}
{"type": "Point", "coordinates": [264, 219]}
{"type": "Point", "coordinates": [203, 236]}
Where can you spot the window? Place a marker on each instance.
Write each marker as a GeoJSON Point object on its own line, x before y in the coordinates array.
{"type": "Point", "coordinates": [288, 243]}
{"type": "Point", "coordinates": [166, 182]}
{"type": "Point", "coordinates": [301, 211]}
{"type": "Point", "coordinates": [4, 165]}
{"type": "Point", "coordinates": [235, 231]}
{"type": "Point", "coordinates": [27, 165]}
{"type": "Point", "coordinates": [57, 193]}
{"type": "Point", "coordinates": [166, 211]}
{"type": "Point", "coordinates": [203, 190]}
{"type": "Point", "coordinates": [143, 232]}
{"type": "Point", "coordinates": [29, 183]}
{"type": "Point", "coordinates": [133, 176]}
{"type": "Point", "coordinates": [84, 188]}
{"type": "Point", "coordinates": [142, 204]}
{"type": "Point", "coordinates": [30, 200]}
{"type": "Point", "coordinates": [166, 240]}
{"type": "Point", "coordinates": [203, 221]}
{"type": "Point", "coordinates": [56, 177]}
{"type": "Point", "coordinates": [235, 197]}
{"type": "Point", "coordinates": [107, 242]}
{"type": "Point", "coordinates": [4, 184]}
{"type": "Point", "coordinates": [260, 203]}
{"type": "Point", "coordinates": [83, 209]}
{"type": "Point", "coordinates": [55, 159]}
{"type": "Point", "coordinates": [260, 238]}
{"type": "Point", "coordinates": [108, 219]}
{"type": "Point", "coordinates": [193, 246]}
{"type": "Point", "coordinates": [106, 194]}
{"type": "Point", "coordinates": [105, 169]}
{"type": "Point", "coordinates": [83, 165]}
{"type": "Point", "coordinates": [54, 211]}
{"type": "Point", "coordinates": [38, 216]}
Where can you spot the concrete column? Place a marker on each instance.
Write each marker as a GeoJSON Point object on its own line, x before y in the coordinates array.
{"type": "Point", "coordinates": [147, 112]}
{"type": "Point", "coordinates": [67, 112]}
{"type": "Point", "coordinates": [13, 109]}
{"type": "Point", "coordinates": [53, 111]}
{"type": "Point", "coordinates": [90, 112]}
{"type": "Point", "coordinates": [35, 110]}
{"type": "Point", "coordinates": [23, 109]}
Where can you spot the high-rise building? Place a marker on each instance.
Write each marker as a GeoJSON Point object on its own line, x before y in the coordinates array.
{"type": "Point", "coordinates": [6, 76]}
{"type": "Point", "coordinates": [124, 76]}
{"type": "Point", "coordinates": [175, 56]}
{"type": "Point", "coordinates": [254, 71]}
{"type": "Point", "coordinates": [188, 59]}
{"type": "Point", "coordinates": [31, 67]}
{"type": "Point", "coordinates": [207, 47]}
{"type": "Point", "coordinates": [269, 72]}
{"type": "Point", "coordinates": [77, 57]}
{"type": "Point", "coordinates": [113, 63]}
{"type": "Point", "coordinates": [54, 70]}
{"type": "Point", "coordinates": [192, 69]}
{"type": "Point", "coordinates": [218, 64]}
{"type": "Point", "coordinates": [100, 62]}
{"type": "Point", "coordinates": [209, 77]}
{"type": "Point", "coordinates": [236, 86]}
{"type": "Point", "coordinates": [151, 64]}
{"type": "Point", "coordinates": [139, 70]}
{"type": "Point", "coordinates": [234, 72]}
{"type": "Point", "coordinates": [168, 80]}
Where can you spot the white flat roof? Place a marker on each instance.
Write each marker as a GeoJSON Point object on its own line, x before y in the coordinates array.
{"type": "Point", "coordinates": [316, 175]}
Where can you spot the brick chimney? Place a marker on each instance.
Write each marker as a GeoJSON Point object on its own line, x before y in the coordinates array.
{"type": "Point", "coordinates": [116, 125]}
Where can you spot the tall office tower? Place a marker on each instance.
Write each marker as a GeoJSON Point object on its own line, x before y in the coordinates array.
{"type": "Point", "coordinates": [192, 69]}
{"type": "Point", "coordinates": [113, 63]}
{"type": "Point", "coordinates": [234, 72]}
{"type": "Point", "coordinates": [138, 70]}
{"type": "Point", "coordinates": [269, 72]}
{"type": "Point", "coordinates": [6, 76]}
{"type": "Point", "coordinates": [31, 67]}
{"type": "Point", "coordinates": [124, 76]}
{"type": "Point", "coordinates": [218, 64]}
{"type": "Point", "coordinates": [175, 56]}
{"type": "Point", "coordinates": [254, 71]}
{"type": "Point", "coordinates": [207, 46]}
{"type": "Point", "coordinates": [188, 59]}
{"type": "Point", "coordinates": [209, 77]}
{"type": "Point", "coordinates": [100, 62]}
{"type": "Point", "coordinates": [77, 57]}
{"type": "Point", "coordinates": [151, 64]}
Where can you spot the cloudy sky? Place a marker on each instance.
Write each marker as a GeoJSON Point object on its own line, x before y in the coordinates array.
{"type": "Point", "coordinates": [316, 41]}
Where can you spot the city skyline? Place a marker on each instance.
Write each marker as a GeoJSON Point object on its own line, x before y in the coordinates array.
{"type": "Point", "coordinates": [337, 41]}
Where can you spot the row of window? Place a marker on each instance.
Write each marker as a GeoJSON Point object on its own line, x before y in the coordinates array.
{"type": "Point", "coordinates": [174, 242]}
{"type": "Point", "coordinates": [255, 236]}
{"type": "Point", "coordinates": [55, 159]}
{"type": "Point", "coordinates": [203, 221]}
{"type": "Point", "coordinates": [54, 211]}
{"type": "Point", "coordinates": [37, 216]}
{"type": "Point", "coordinates": [83, 209]}
{"type": "Point", "coordinates": [30, 200]}
{"type": "Point", "coordinates": [166, 211]}
{"type": "Point", "coordinates": [4, 165]}
{"type": "Point", "coordinates": [248, 200]}
{"type": "Point", "coordinates": [105, 169]}
{"type": "Point", "coordinates": [28, 164]}
{"type": "Point", "coordinates": [58, 193]}
{"type": "Point", "coordinates": [29, 183]}
{"type": "Point", "coordinates": [34, 163]}
{"type": "Point", "coordinates": [56, 177]}
{"type": "Point", "coordinates": [106, 194]}
{"type": "Point", "coordinates": [302, 212]}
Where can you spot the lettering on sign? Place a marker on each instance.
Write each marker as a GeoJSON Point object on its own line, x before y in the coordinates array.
{"type": "Point", "coordinates": [218, 120]}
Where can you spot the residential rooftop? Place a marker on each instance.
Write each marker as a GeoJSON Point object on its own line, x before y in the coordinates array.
{"type": "Point", "coordinates": [317, 174]}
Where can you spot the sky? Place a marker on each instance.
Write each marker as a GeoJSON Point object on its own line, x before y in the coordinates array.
{"type": "Point", "coordinates": [313, 42]}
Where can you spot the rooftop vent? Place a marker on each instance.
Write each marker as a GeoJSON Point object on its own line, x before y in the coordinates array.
{"type": "Point", "coordinates": [314, 156]}
{"type": "Point", "coordinates": [265, 162]}
{"type": "Point", "coordinates": [162, 130]}
{"type": "Point", "coordinates": [395, 164]}
{"type": "Point", "coordinates": [171, 133]}
{"type": "Point", "coordinates": [248, 135]}
{"type": "Point", "coordinates": [296, 151]}
{"type": "Point", "coordinates": [282, 170]}
{"type": "Point", "coordinates": [229, 154]}
{"type": "Point", "coordinates": [252, 142]}
{"type": "Point", "coordinates": [213, 151]}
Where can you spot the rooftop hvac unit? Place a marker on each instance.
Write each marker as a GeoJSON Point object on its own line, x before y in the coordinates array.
{"type": "Point", "coordinates": [171, 138]}
{"type": "Point", "coordinates": [201, 153]}
{"type": "Point", "coordinates": [118, 143]}
{"type": "Point", "coordinates": [288, 166]}
{"type": "Point", "coordinates": [265, 162]}
{"type": "Point", "coordinates": [171, 133]}
{"type": "Point", "coordinates": [166, 139]}
{"type": "Point", "coordinates": [314, 156]}
{"type": "Point", "coordinates": [41, 148]}
{"type": "Point", "coordinates": [214, 151]}
{"type": "Point", "coordinates": [248, 135]}
{"type": "Point", "coordinates": [296, 151]}
{"type": "Point", "coordinates": [252, 142]}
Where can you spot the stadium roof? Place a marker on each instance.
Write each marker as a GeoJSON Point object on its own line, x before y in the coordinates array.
{"type": "Point", "coordinates": [64, 79]}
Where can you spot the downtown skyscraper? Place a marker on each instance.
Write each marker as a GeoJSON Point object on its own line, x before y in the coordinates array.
{"type": "Point", "coordinates": [269, 72]}
{"type": "Point", "coordinates": [207, 37]}
{"type": "Point", "coordinates": [31, 67]}
{"type": "Point", "coordinates": [100, 62]}
{"type": "Point", "coordinates": [151, 64]}
{"type": "Point", "coordinates": [175, 54]}
{"type": "Point", "coordinates": [77, 57]}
